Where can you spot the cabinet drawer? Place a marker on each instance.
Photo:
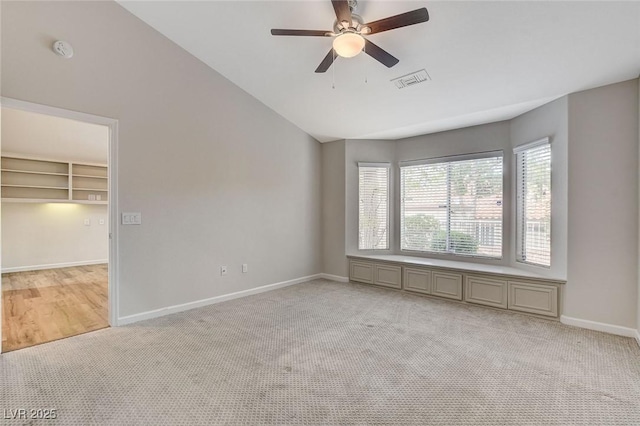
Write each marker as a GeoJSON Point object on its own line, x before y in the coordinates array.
{"type": "Point", "coordinates": [486, 291]}
{"type": "Point", "coordinates": [388, 276]}
{"type": "Point", "coordinates": [361, 272]}
{"type": "Point", "coordinates": [448, 285]}
{"type": "Point", "coordinates": [417, 280]}
{"type": "Point", "coordinates": [534, 298]}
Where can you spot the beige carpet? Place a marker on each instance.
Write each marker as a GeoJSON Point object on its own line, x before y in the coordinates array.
{"type": "Point", "coordinates": [331, 353]}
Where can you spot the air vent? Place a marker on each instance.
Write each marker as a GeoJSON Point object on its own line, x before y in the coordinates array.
{"type": "Point", "coordinates": [412, 79]}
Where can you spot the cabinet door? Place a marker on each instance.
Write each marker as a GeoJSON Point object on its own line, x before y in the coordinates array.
{"type": "Point", "coordinates": [485, 291]}
{"type": "Point", "coordinates": [445, 284]}
{"type": "Point", "coordinates": [417, 280]}
{"type": "Point", "coordinates": [361, 272]}
{"type": "Point", "coordinates": [534, 298]}
{"type": "Point", "coordinates": [388, 275]}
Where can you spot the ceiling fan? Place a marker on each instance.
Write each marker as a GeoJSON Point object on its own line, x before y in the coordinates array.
{"type": "Point", "coordinates": [349, 30]}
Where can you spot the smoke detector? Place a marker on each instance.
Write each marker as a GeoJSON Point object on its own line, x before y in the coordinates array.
{"type": "Point", "coordinates": [63, 49]}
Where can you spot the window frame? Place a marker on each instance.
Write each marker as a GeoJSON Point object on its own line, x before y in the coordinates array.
{"type": "Point", "coordinates": [451, 159]}
{"type": "Point", "coordinates": [520, 223]}
{"type": "Point", "coordinates": [388, 204]}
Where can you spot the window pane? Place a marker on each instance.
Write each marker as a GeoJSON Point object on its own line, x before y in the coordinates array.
{"type": "Point", "coordinates": [423, 207]}
{"type": "Point", "coordinates": [373, 208]}
{"type": "Point", "coordinates": [476, 207]}
{"type": "Point", "coordinates": [534, 209]}
{"type": "Point", "coordinates": [453, 207]}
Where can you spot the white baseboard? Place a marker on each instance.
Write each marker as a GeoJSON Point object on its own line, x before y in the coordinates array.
{"type": "Point", "coordinates": [600, 326]}
{"type": "Point", "coordinates": [54, 266]}
{"type": "Point", "coordinates": [638, 336]}
{"type": "Point", "coordinates": [337, 278]}
{"type": "Point", "coordinates": [129, 319]}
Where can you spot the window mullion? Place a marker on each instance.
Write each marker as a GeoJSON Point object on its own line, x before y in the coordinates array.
{"type": "Point", "coordinates": [448, 220]}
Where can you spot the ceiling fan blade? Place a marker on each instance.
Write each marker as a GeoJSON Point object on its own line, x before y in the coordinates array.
{"type": "Point", "coordinates": [379, 54]}
{"type": "Point", "coordinates": [343, 13]}
{"type": "Point", "coordinates": [316, 33]}
{"type": "Point", "coordinates": [326, 62]}
{"type": "Point", "coordinates": [398, 21]}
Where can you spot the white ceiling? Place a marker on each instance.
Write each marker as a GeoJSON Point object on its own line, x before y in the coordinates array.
{"type": "Point", "coordinates": [488, 61]}
{"type": "Point", "coordinates": [54, 138]}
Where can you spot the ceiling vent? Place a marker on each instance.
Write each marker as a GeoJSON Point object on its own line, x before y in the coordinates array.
{"type": "Point", "coordinates": [411, 79]}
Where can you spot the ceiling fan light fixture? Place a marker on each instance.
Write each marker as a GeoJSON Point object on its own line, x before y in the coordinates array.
{"type": "Point", "coordinates": [348, 45]}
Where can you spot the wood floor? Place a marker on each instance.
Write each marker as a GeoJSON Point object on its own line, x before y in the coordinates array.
{"type": "Point", "coordinates": [41, 306]}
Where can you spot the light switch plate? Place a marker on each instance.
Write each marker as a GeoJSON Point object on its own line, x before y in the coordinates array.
{"type": "Point", "coordinates": [134, 218]}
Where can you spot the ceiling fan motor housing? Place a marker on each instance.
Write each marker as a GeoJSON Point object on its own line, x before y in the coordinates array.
{"type": "Point", "coordinates": [356, 23]}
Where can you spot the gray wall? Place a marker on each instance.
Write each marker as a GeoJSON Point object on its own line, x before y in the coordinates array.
{"type": "Point", "coordinates": [334, 259]}
{"type": "Point", "coordinates": [602, 263]}
{"type": "Point", "coordinates": [220, 178]}
{"type": "Point", "coordinates": [550, 120]}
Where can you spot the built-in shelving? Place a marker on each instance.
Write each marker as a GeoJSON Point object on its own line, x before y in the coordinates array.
{"type": "Point", "coordinates": [89, 183]}
{"type": "Point", "coordinates": [37, 180]}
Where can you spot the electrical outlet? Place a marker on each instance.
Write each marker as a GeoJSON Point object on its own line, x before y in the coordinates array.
{"type": "Point", "coordinates": [101, 221]}
{"type": "Point", "coordinates": [223, 270]}
{"type": "Point", "coordinates": [245, 268]}
{"type": "Point", "coordinates": [87, 222]}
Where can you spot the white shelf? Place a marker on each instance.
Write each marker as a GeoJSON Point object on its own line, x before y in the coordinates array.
{"type": "Point", "coordinates": [89, 176]}
{"type": "Point", "coordinates": [30, 172]}
{"type": "Point", "coordinates": [34, 186]}
{"type": "Point", "coordinates": [50, 200]}
{"type": "Point", "coordinates": [90, 189]}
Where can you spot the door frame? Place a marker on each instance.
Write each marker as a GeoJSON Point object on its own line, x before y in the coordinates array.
{"type": "Point", "coordinates": [112, 124]}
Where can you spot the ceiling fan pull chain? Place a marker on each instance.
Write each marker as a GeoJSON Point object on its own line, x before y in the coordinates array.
{"type": "Point", "coordinates": [333, 70]}
{"type": "Point", "coordinates": [366, 68]}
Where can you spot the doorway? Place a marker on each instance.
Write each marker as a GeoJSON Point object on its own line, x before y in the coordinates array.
{"type": "Point", "coordinates": [56, 224]}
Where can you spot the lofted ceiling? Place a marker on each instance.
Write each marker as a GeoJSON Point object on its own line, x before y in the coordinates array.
{"type": "Point", "coordinates": [488, 61]}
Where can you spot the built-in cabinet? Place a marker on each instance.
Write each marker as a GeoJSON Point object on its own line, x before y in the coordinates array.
{"type": "Point", "coordinates": [537, 296]}
{"type": "Point", "coordinates": [446, 284]}
{"type": "Point", "coordinates": [484, 290]}
{"type": "Point", "coordinates": [35, 180]}
{"type": "Point", "coordinates": [387, 275]}
{"type": "Point", "coordinates": [418, 280]}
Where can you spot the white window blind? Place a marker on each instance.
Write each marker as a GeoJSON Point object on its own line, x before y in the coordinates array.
{"type": "Point", "coordinates": [453, 206]}
{"type": "Point", "coordinates": [373, 218]}
{"type": "Point", "coordinates": [533, 235]}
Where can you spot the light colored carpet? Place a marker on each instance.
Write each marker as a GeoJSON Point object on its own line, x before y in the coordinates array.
{"type": "Point", "coordinates": [331, 353]}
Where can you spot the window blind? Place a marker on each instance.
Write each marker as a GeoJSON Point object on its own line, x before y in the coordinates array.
{"type": "Point", "coordinates": [533, 234]}
{"type": "Point", "coordinates": [452, 207]}
{"type": "Point", "coordinates": [373, 217]}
